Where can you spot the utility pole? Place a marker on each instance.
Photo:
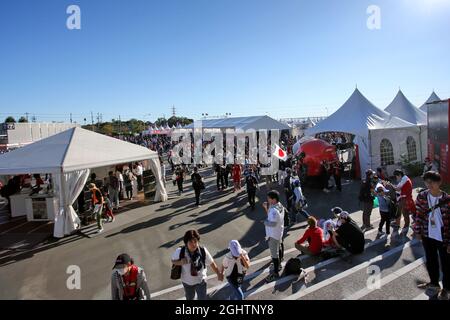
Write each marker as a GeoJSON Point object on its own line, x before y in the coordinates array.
{"type": "Point", "coordinates": [120, 126]}
{"type": "Point", "coordinates": [26, 115]}
{"type": "Point", "coordinates": [70, 117]}
{"type": "Point", "coordinates": [174, 113]}
{"type": "Point", "coordinates": [92, 121]}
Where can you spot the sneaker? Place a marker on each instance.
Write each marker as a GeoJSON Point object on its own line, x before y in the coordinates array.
{"type": "Point", "coordinates": [369, 228]}
{"type": "Point", "coordinates": [428, 285]}
{"type": "Point", "coordinates": [380, 233]}
{"type": "Point", "coordinates": [100, 230]}
{"type": "Point", "coordinates": [272, 277]}
{"type": "Point", "coordinates": [363, 227]}
{"type": "Point", "coordinates": [113, 219]}
{"type": "Point", "coordinates": [443, 294]}
{"type": "Point", "coordinates": [326, 190]}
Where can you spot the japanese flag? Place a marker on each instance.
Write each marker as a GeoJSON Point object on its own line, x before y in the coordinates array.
{"type": "Point", "coordinates": [280, 153]}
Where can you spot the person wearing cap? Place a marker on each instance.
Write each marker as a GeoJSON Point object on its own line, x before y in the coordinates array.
{"type": "Point", "coordinates": [234, 267]}
{"type": "Point", "coordinates": [384, 207]}
{"type": "Point", "coordinates": [428, 166]}
{"type": "Point", "coordinates": [97, 204]}
{"type": "Point", "coordinates": [348, 235]}
{"type": "Point", "coordinates": [366, 198]}
{"type": "Point", "coordinates": [128, 281]}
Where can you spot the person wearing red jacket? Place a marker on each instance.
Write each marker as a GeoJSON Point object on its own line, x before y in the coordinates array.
{"type": "Point", "coordinates": [314, 236]}
{"type": "Point", "coordinates": [406, 200]}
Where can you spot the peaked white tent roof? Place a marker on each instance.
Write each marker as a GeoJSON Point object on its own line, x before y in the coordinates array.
{"type": "Point", "coordinates": [243, 123]}
{"type": "Point", "coordinates": [357, 116]}
{"type": "Point", "coordinates": [433, 98]}
{"type": "Point", "coordinates": [72, 150]}
{"type": "Point", "coordinates": [402, 108]}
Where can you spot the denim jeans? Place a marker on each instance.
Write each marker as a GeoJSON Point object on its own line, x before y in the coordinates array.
{"type": "Point", "coordinates": [190, 291]}
{"type": "Point", "coordinates": [236, 292]}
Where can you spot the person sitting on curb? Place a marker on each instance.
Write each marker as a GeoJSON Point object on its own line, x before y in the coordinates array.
{"type": "Point", "coordinates": [314, 236]}
{"type": "Point", "coordinates": [348, 235]}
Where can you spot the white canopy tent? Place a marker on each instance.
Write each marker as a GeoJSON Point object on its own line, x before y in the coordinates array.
{"type": "Point", "coordinates": [433, 98]}
{"type": "Point", "coordinates": [369, 125]}
{"type": "Point", "coordinates": [241, 123]}
{"type": "Point", "coordinates": [402, 108]}
{"type": "Point", "coordinates": [69, 156]}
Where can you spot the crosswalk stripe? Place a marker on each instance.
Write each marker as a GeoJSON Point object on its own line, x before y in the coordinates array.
{"type": "Point", "coordinates": [348, 272]}
{"type": "Point", "coordinates": [257, 273]}
{"type": "Point", "coordinates": [391, 277]}
{"type": "Point", "coordinates": [307, 270]}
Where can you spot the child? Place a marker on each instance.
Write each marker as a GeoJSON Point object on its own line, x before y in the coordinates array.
{"type": "Point", "coordinates": [234, 266]}
{"type": "Point", "coordinates": [383, 202]}
{"type": "Point", "coordinates": [108, 207]}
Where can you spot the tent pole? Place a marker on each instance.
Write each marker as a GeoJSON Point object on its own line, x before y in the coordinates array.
{"type": "Point", "coordinates": [370, 149]}
{"type": "Point", "coordinates": [420, 143]}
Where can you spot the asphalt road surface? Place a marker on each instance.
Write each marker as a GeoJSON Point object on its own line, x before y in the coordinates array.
{"type": "Point", "coordinates": [150, 234]}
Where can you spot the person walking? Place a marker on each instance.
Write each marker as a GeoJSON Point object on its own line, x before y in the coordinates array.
{"type": "Point", "coordinates": [179, 178]}
{"type": "Point", "coordinates": [236, 174]}
{"type": "Point", "coordinates": [113, 189]}
{"type": "Point", "coordinates": [194, 260]}
{"type": "Point", "coordinates": [432, 227]}
{"type": "Point", "coordinates": [139, 171]}
{"type": "Point", "coordinates": [234, 267]}
{"type": "Point", "coordinates": [220, 181]}
{"type": "Point", "coordinates": [127, 182]}
{"type": "Point", "coordinates": [337, 174]}
{"type": "Point", "coordinates": [197, 184]}
{"type": "Point", "coordinates": [251, 184]}
{"type": "Point", "coordinates": [288, 191]}
{"type": "Point", "coordinates": [128, 281]}
{"type": "Point", "coordinates": [108, 207]}
{"type": "Point", "coordinates": [406, 201]}
{"type": "Point", "coordinates": [119, 176]}
{"type": "Point", "coordinates": [97, 204]}
{"type": "Point", "coordinates": [366, 198]}
{"type": "Point", "coordinates": [274, 225]}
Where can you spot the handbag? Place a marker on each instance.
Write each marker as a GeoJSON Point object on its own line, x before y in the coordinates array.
{"type": "Point", "coordinates": [175, 272]}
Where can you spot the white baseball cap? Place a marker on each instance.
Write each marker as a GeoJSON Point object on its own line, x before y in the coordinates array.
{"type": "Point", "coordinates": [235, 248]}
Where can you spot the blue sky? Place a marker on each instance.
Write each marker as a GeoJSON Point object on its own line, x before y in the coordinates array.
{"type": "Point", "coordinates": [283, 58]}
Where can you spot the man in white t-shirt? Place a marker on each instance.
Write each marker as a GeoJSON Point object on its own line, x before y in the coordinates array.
{"type": "Point", "coordinates": [194, 261]}
{"type": "Point", "coordinates": [431, 225]}
{"type": "Point", "coordinates": [274, 231]}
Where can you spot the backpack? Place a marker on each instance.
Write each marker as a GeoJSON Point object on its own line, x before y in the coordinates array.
{"type": "Point", "coordinates": [175, 272]}
{"type": "Point", "coordinates": [293, 267]}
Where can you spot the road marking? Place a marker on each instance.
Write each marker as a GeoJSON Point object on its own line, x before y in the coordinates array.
{"type": "Point", "coordinates": [348, 272]}
{"type": "Point", "coordinates": [38, 227]}
{"type": "Point", "coordinates": [391, 277]}
{"type": "Point", "coordinates": [307, 270]}
{"type": "Point", "coordinates": [267, 258]}
{"type": "Point", "coordinates": [8, 230]}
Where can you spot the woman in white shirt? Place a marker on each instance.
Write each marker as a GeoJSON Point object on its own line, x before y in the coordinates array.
{"type": "Point", "coordinates": [234, 267]}
{"type": "Point", "coordinates": [194, 261]}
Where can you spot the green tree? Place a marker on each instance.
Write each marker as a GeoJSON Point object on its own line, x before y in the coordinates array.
{"type": "Point", "coordinates": [23, 120]}
{"type": "Point", "coordinates": [10, 120]}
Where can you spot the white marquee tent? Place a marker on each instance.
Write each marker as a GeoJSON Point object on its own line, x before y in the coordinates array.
{"type": "Point", "coordinates": [402, 108]}
{"type": "Point", "coordinates": [433, 98]}
{"type": "Point", "coordinates": [241, 123]}
{"type": "Point", "coordinates": [370, 125]}
{"type": "Point", "coordinates": [69, 156]}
